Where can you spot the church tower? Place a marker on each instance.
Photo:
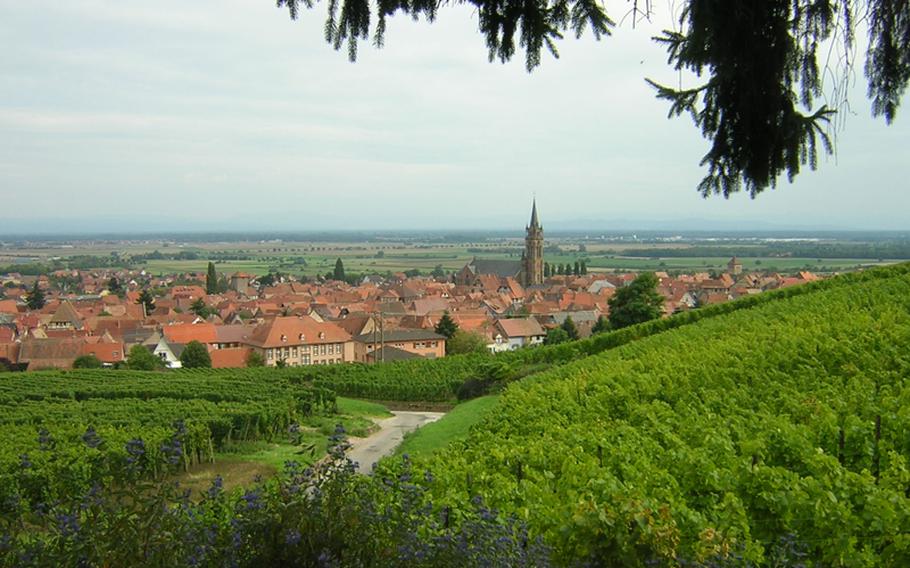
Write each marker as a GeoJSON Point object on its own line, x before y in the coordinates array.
{"type": "Point", "coordinates": [532, 259]}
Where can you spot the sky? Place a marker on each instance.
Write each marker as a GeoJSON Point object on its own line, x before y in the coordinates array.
{"type": "Point", "coordinates": [225, 114]}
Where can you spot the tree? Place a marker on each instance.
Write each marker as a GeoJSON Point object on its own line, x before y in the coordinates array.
{"type": "Point", "coordinates": [267, 280]}
{"type": "Point", "coordinates": [463, 342]}
{"type": "Point", "coordinates": [546, 270]}
{"type": "Point", "coordinates": [195, 356]}
{"type": "Point", "coordinates": [141, 359]}
{"type": "Point", "coordinates": [602, 325]}
{"type": "Point", "coordinates": [584, 267]}
{"type": "Point", "coordinates": [576, 270]}
{"type": "Point", "coordinates": [89, 361]}
{"type": "Point", "coordinates": [636, 303]}
{"type": "Point", "coordinates": [211, 279]}
{"type": "Point", "coordinates": [35, 300]}
{"type": "Point", "coordinates": [114, 286]}
{"type": "Point", "coordinates": [556, 336]}
{"type": "Point", "coordinates": [569, 327]}
{"type": "Point", "coordinates": [339, 270]}
{"type": "Point", "coordinates": [446, 325]}
{"type": "Point", "coordinates": [758, 63]}
{"type": "Point", "coordinates": [199, 308]}
{"type": "Point", "coordinates": [438, 272]}
{"type": "Point", "coordinates": [147, 301]}
{"type": "Point", "coordinates": [255, 359]}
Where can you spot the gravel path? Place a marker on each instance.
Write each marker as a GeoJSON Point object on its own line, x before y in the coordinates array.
{"type": "Point", "coordinates": [368, 451]}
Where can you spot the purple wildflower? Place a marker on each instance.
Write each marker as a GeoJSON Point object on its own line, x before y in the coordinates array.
{"type": "Point", "coordinates": [292, 537]}
{"type": "Point", "coordinates": [91, 438]}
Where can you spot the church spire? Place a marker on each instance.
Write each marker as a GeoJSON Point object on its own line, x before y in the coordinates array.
{"type": "Point", "coordinates": [534, 224]}
{"type": "Point", "coordinates": [532, 259]}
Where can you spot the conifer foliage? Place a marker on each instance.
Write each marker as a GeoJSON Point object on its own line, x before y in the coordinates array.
{"type": "Point", "coordinates": [35, 300]}
{"type": "Point", "coordinates": [759, 61]}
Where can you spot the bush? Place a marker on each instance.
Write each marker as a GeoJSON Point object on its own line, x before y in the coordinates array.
{"type": "Point", "coordinates": [89, 361]}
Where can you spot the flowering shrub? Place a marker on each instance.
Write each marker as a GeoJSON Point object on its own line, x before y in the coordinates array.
{"type": "Point", "coordinates": [325, 515]}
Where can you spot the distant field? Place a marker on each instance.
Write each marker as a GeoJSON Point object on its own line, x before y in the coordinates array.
{"type": "Point", "coordinates": [313, 258]}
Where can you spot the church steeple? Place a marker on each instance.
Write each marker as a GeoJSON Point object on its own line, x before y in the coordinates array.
{"type": "Point", "coordinates": [532, 259]}
{"type": "Point", "coordinates": [534, 223]}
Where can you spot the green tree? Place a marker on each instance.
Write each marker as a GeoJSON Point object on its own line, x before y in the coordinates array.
{"type": "Point", "coordinates": [570, 328]}
{"type": "Point", "coordinates": [576, 270]}
{"type": "Point", "coordinates": [199, 308]}
{"type": "Point", "coordinates": [756, 63]}
{"type": "Point", "coordinates": [463, 342]}
{"type": "Point", "coordinates": [114, 286]}
{"type": "Point", "coordinates": [446, 325]}
{"type": "Point", "coordinates": [556, 336]}
{"type": "Point", "coordinates": [438, 272]}
{"type": "Point", "coordinates": [602, 325]}
{"type": "Point", "coordinates": [89, 361]}
{"type": "Point", "coordinates": [267, 280]}
{"type": "Point", "coordinates": [338, 274]}
{"type": "Point", "coordinates": [35, 299]}
{"type": "Point", "coordinates": [546, 270]}
{"type": "Point", "coordinates": [141, 359]}
{"type": "Point", "coordinates": [584, 267]}
{"type": "Point", "coordinates": [211, 279]}
{"type": "Point", "coordinates": [255, 359]}
{"type": "Point", "coordinates": [147, 300]}
{"type": "Point", "coordinates": [195, 356]}
{"type": "Point", "coordinates": [636, 303]}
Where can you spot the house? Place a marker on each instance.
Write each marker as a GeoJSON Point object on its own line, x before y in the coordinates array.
{"type": "Point", "coordinates": [65, 317]}
{"type": "Point", "coordinates": [166, 351]}
{"type": "Point", "coordinates": [511, 334]}
{"type": "Point", "coordinates": [38, 354]}
{"type": "Point", "coordinates": [419, 342]}
{"type": "Point", "coordinates": [301, 340]}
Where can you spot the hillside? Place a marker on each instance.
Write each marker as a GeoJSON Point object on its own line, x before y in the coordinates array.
{"type": "Point", "coordinates": [779, 428]}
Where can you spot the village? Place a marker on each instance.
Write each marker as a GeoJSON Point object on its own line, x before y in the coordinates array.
{"type": "Point", "coordinates": [243, 320]}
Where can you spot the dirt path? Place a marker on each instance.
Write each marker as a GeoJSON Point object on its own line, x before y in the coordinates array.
{"type": "Point", "coordinates": [368, 451]}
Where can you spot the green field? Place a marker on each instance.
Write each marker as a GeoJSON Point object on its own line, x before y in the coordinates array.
{"type": "Point", "coordinates": [311, 258]}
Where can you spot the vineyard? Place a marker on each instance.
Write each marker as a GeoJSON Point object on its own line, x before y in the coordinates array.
{"type": "Point", "coordinates": [786, 423]}
{"type": "Point", "coordinates": [89, 419]}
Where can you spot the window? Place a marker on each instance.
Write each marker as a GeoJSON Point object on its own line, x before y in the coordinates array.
{"type": "Point", "coordinates": [305, 360]}
{"type": "Point", "coordinates": [293, 351]}
{"type": "Point", "coordinates": [270, 353]}
{"type": "Point", "coordinates": [322, 349]}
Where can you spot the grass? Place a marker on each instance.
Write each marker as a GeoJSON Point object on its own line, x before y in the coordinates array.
{"type": "Point", "coordinates": [455, 425]}
{"type": "Point", "coordinates": [240, 463]}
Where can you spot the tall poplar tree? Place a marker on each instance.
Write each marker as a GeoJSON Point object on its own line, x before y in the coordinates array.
{"type": "Point", "coordinates": [211, 279]}
{"type": "Point", "coordinates": [338, 274]}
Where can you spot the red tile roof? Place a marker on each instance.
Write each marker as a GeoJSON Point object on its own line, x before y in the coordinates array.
{"type": "Point", "coordinates": [186, 332]}
{"type": "Point", "coordinates": [282, 331]}
{"type": "Point", "coordinates": [229, 358]}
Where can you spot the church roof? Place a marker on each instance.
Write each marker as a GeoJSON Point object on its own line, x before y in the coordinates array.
{"type": "Point", "coordinates": [534, 222]}
{"type": "Point", "coordinates": [501, 268]}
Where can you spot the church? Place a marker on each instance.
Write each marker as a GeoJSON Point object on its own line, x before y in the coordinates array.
{"type": "Point", "coordinates": [528, 271]}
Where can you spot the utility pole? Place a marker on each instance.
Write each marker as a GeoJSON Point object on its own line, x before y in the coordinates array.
{"type": "Point", "coordinates": [377, 315]}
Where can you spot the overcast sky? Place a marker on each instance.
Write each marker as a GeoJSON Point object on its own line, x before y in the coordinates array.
{"type": "Point", "coordinates": [225, 113]}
